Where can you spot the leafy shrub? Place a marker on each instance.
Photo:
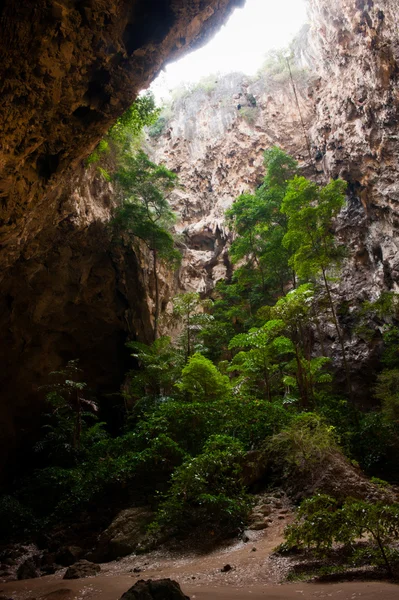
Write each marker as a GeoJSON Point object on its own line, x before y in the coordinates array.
{"type": "Point", "coordinates": [158, 128]}
{"type": "Point", "coordinates": [206, 490]}
{"type": "Point", "coordinates": [375, 445]}
{"type": "Point", "coordinates": [201, 380]}
{"type": "Point", "coordinates": [14, 517]}
{"type": "Point", "coordinates": [305, 443]}
{"type": "Point", "coordinates": [321, 522]}
{"type": "Point", "coordinates": [249, 114]}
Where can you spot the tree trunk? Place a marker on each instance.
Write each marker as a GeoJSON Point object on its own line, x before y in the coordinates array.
{"type": "Point", "coordinates": [340, 338]}
{"type": "Point", "coordinates": [156, 316]}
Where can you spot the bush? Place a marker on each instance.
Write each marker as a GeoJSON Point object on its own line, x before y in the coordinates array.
{"type": "Point", "coordinates": [321, 522]}
{"type": "Point", "coordinates": [303, 445]}
{"type": "Point", "coordinates": [249, 114]}
{"type": "Point", "coordinates": [15, 518]}
{"type": "Point", "coordinates": [158, 128]}
{"type": "Point", "coordinates": [206, 490]}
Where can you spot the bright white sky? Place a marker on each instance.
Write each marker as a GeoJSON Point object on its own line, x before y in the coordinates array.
{"type": "Point", "coordinates": [240, 45]}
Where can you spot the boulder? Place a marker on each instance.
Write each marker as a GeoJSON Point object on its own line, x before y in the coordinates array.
{"type": "Point", "coordinates": [82, 568]}
{"type": "Point", "coordinates": [125, 534]}
{"type": "Point", "coordinates": [27, 569]}
{"type": "Point", "coordinates": [68, 555]}
{"type": "Point", "coordinates": [155, 589]}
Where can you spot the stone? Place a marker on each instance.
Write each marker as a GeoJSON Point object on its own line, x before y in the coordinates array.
{"type": "Point", "coordinates": [68, 555]}
{"type": "Point", "coordinates": [226, 568]}
{"type": "Point", "coordinates": [259, 525]}
{"type": "Point", "coordinates": [124, 535]}
{"type": "Point", "coordinates": [155, 589]}
{"type": "Point", "coordinates": [27, 570]}
{"type": "Point", "coordinates": [82, 568]}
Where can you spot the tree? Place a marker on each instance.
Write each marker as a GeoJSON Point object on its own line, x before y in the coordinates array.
{"type": "Point", "coordinates": [160, 365]}
{"type": "Point", "coordinates": [260, 226]}
{"type": "Point", "coordinates": [68, 410]}
{"type": "Point", "coordinates": [201, 380]}
{"type": "Point", "coordinates": [295, 309]}
{"type": "Point", "coordinates": [124, 136]}
{"type": "Point", "coordinates": [260, 365]}
{"type": "Point", "coordinates": [315, 252]}
{"type": "Point", "coordinates": [145, 214]}
{"type": "Point", "coordinates": [189, 313]}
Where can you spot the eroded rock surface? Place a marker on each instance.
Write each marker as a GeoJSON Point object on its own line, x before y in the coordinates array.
{"type": "Point", "coordinates": [68, 70]}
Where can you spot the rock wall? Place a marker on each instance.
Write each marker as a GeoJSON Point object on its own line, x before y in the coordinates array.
{"type": "Point", "coordinates": [214, 140]}
{"type": "Point", "coordinates": [349, 102]}
{"type": "Point", "coordinates": [355, 131]}
{"type": "Point", "coordinates": [68, 70]}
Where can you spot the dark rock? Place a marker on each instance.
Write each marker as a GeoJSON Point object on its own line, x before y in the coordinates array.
{"type": "Point", "coordinates": [60, 594]}
{"type": "Point", "coordinates": [82, 568]}
{"type": "Point", "coordinates": [158, 589]}
{"type": "Point", "coordinates": [226, 568]}
{"type": "Point", "coordinates": [27, 570]}
{"type": "Point", "coordinates": [68, 555]}
{"type": "Point", "coordinates": [125, 535]}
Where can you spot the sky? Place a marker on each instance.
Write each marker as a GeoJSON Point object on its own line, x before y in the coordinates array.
{"type": "Point", "coordinates": [240, 45]}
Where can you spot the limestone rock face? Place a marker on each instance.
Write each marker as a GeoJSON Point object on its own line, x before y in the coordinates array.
{"type": "Point", "coordinates": [68, 70]}
{"type": "Point", "coordinates": [214, 140]}
{"type": "Point", "coordinates": [355, 131]}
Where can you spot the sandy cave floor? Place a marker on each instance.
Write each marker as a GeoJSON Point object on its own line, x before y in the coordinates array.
{"type": "Point", "coordinates": [255, 575]}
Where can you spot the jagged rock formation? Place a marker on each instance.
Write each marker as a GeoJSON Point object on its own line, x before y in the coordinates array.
{"type": "Point", "coordinates": [349, 102]}
{"type": "Point", "coordinates": [215, 139]}
{"type": "Point", "coordinates": [68, 70]}
{"type": "Point", "coordinates": [355, 130]}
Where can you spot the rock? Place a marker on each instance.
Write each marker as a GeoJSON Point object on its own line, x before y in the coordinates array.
{"type": "Point", "coordinates": [155, 589]}
{"type": "Point", "coordinates": [125, 535]}
{"type": "Point", "coordinates": [60, 594]}
{"type": "Point", "coordinates": [226, 568]}
{"type": "Point", "coordinates": [27, 570]}
{"type": "Point", "coordinates": [254, 549]}
{"type": "Point", "coordinates": [82, 568]}
{"type": "Point", "coordinates": [259, 525]}
{"type": "Point", "coordinates": [68, 555]}
{"type": "Point", "coordinates": [265, 509]}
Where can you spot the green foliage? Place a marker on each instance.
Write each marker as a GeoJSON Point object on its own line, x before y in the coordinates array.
{"type": "Point", "coordinates": [189, 314]}
{"type": "Point", "coordinates": [387, 390]}
{"type": "Point", "coordinates": [158, 127]}
{"type": "Point", "coordinates": [141, 113]}
{"type": "Point", "coordinates": [206, 491]}
{"type": "Point", "coordinates": [15, 518]}
{"type": "Point", "coordinates": [303, 445]}
{"type": "Point", "coordinates": [144, 212]}
{"type": "Point", "coordinates": [321, 522]}
{"type": "Point", "coordinates": [201, 380]}
{"type": "Point", "coordinates": [310, 211]}
{"type": "Point", "coordinates": [160, 365]}
{"type": "Point", "coordinates": [70, 414]}
{"type": "Point", "coordinates": [123, 136]}
{"type": "Point", "coordinates": [249, 114]}
{"type": "Point", "coordinates": [260, 227]}
{"type": "Point", "coordinates": [103, 147]}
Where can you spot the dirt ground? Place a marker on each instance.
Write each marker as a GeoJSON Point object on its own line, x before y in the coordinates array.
{"type": "Point", "coordinates": [255, 574]}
